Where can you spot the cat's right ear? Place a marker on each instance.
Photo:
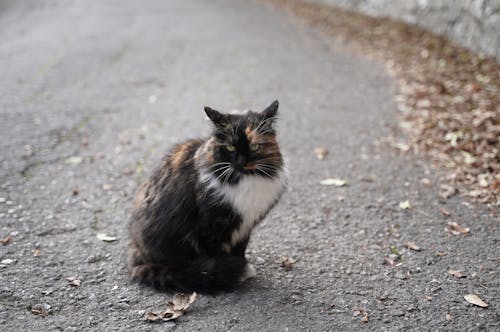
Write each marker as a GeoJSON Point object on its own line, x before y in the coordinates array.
{"type": "Point", "coordinates": [217, 117]}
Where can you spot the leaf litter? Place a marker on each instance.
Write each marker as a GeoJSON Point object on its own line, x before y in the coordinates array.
{"type": "Point", "coordinates": [448, 96]}
{"type": "Point", "coordinates": [320, 153]}
{"type": "Point", "coordinates": [175, 308]}
{"type": "Point", "coordinates": [476, 300]}
{"type": "Point", "coordinates": [106, 238]}
{"type": "Point", "coordinates": [334, 182]}
{"type": "Point", "coordinates": [288, 263]}
{"type": "Point", "coordinates": [457, 229]}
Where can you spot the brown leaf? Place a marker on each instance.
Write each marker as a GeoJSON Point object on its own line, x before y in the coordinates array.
{"type": "Point", "coordinates": [426, 182]}
{"type": "Point", "coordinates": [36, 252]}
{"type": "Point", "coordinates": [445, 212]}
{"type": "Point", "coordinates": [288, 263]}
{"type": "Point", "coordinates": [457, 229]}
{"type": "Point", "coordinates": [320, 153]}
{"type": "Point", "coordinates": [363, 313]}
{"type": "Point", "coordinates": [476, 300]}
{"type": "Point", "coordinates": [73, 281]}
{"type": "Point", "coordinates": [5, 241]}
{"type": "Point", "coordinates": [42, 310]}
{"type": "Point", "coordinates": [174, 308]}
{"type": "Point", "coordinates": [456, 273]}
{"type": "Point", "coordinates": [447, 191]}
{"type": "Point", "coordinates": [412, 246]}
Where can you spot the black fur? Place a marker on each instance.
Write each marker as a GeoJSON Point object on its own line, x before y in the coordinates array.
{"type": "Point", "coordinates": [180, 229]}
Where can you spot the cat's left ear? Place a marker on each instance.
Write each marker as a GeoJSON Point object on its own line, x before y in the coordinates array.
{"type": "Point", "coordinates": [271, 110]}
{"type": "Point", "coordinates": [217, 117]}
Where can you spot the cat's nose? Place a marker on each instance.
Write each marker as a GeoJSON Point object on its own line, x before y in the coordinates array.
{"type": "Point", "coordinates": [242, 160]}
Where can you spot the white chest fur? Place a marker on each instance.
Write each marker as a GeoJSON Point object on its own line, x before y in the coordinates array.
{"type": "Point", "coordinates": [252, 197]}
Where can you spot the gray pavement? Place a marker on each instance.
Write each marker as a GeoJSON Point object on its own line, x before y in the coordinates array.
{"type": "Point", "coordinates": [93, 93]}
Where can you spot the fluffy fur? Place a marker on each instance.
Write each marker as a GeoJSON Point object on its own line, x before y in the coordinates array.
{"type": "Point", "coordinates": [193, 217]}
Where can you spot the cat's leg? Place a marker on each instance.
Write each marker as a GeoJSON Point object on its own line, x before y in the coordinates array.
{"type": "Point", "coordinates": [248, 272]}
{"type": "Point", "coordinates": [239, 250]}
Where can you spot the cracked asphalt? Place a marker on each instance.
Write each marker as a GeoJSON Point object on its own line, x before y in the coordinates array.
{"type": "Point", "coordinates": [92, 94]}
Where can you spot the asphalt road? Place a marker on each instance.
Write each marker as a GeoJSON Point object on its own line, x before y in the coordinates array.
{"type": "Point", "coordinates": [93, 93]}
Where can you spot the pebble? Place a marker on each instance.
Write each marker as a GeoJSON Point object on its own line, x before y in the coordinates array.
{"type": "Point", "coordinates": [2, 200]}
{"type": "Point", "coordinates": [7, 261]}
{"type": "Point", "coordinates": [259, 261]}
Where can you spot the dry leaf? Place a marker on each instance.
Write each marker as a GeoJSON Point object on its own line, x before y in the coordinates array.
{"type": "Point", "coordinates": [288, 263]}
{"type": "Point", "coordinates": [36, 252]}
{"type": "Point", "coordinates": [73, 281]}
{"type": "Point", "coordinates": [426, 182]}
{"type": "Point", "coordinates": [107, 186]}
{"type": "Point", "coordinates": [457, 229]}
{"type": "Point", "coordinates": [42, 310]}
{"type": "Point", "coordinates": [405, 205]}
{"type": "Point", "coordinates": [456, 273]}
{"type": "Point", "coordinates": [445, 212]}
{"type": "Point", "coordinates": [447, 191]}
{"type": "Point", "coordinates": [412, 246]}
{"type": "Point", "coordinates": [334, 182]}
{"type": "Point", "coordinates": [474, 299]}
{"type": "Point", "coordinates": [174, 308]}
{"type": "Point", "coordinates": [363, 313]}
{"type": "Point", "coordinates": [106, 238]}
{"type": "Point", "coordinates": [401, 146]}
{"type": "Point", "coordinates": [320, 153]}
{"type": "Point", "coordinates": [76, 160]}
{"type": "Point", "coordinates": [6, 240]}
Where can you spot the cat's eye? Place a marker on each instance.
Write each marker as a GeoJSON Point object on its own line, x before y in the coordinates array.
{"type": "Point", "coordinates": [254, 147]}
{"type": "Point", "coordinates": [230, 148]}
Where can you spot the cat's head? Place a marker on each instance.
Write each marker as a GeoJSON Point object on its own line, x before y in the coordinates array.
{"type": "Point", "coordinates": [244, 144]}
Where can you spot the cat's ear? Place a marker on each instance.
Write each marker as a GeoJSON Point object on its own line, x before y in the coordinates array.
{"type": "Point", "coordinates": [271, 110]}
{"type": "Point", "coordinates": [217, 117]}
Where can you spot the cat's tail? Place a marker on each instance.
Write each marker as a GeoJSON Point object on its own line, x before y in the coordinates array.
{"type": "Point", "coordinates": [208, 275]}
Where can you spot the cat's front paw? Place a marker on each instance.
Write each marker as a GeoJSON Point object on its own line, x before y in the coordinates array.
{"type": "Point", "coordinates": [248, 272]}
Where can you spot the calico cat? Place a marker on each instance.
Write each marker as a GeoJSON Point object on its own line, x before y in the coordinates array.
{"type": "Point", "coordinates": [193, 217]}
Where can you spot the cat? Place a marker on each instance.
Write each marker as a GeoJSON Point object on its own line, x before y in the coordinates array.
{"type": "Point", "coordinates": [193, 217]}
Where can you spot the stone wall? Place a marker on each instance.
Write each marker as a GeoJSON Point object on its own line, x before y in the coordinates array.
{"type": "Point", "coordinates": [474, 24]}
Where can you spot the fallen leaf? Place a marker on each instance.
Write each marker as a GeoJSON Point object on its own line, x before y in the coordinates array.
{"type": "Point", "coordinates": [334, 182]}
{"type": "Point", "coordinates": [106, 238]}
{"type": "Point", "coordinates": [36, 252]}
{"type": "Point", "coordinates": [474, 299]}
{"type": "Point", "coordinates": [75, 160]}
{"type": "Point", "coordinates": [445, 212]}
{"type": "Point", "coordinates": [440, 254]}
{"type": "Point", "coordinates": [457, 229]}
{"type": "Point", "coordinates": [363, 313]}
{"type": "Point", "coordinates": [73, 281]}
{"type": "Point", "coordinates": [412, 246]}
{"type": "Point", "coordinates": [401, 146]}
{"type": "Point", "coordinates": [288, 263]}
{"type": "Point", "coordinates": [320, 153]}
{"type": "Point", "coordinates": [426, 182]}
{"type": "Point", "coordinates": [174, 308]}
{"type": "Point", "coordinates": [405, 205]}
{"type": "Point", "coordinates": [447, 191]}
{"type": "Point", "coordinates": [42, 309]}
{"type": "Point", "coordinates": [107, 186]}
{"type": "Point", "coordinates": [456, 273]}
{"type": "Point", "coordinates": [5, 241]}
